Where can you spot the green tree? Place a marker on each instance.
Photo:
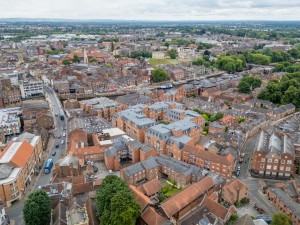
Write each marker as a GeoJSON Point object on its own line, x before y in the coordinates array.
{"type": "Point", "coordinates": [280, 218]}
{"type": "Point", "coordinates": [159, 74]}
{"type": "Point", "coordinates": [66, 62]}
{"type": "Point", "coordinates": [115, 203]}
{"type": "Point", "coordinates": [244, 87]}
{"type": "Point", "coordinates": [37, 208]}
{"type": "Point", "coordinates": [172, 54]}
{"type": "Point", "coordinates": [76, 59]}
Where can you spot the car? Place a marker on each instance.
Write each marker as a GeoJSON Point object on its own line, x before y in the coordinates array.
{"type": "Point", "coordinates": [62, 142]}
{"type": "Point", "coordinates": [53, 153]}
{"type": "Point", "coordinates": [237, 173]}
{"type": "Point", "coordinates": [110, 172]}
{"type": "Point", "coordinates": [65, 128]}
{"type": "Point", "coordinates": [95, 169]}
{"type": "Point", "coordinates": [64, 134]}
{"type": "Point", "coordinates": [62, 128]}
{"type": "Point", "coordinates": [56, 146]}
{"type": "Point", "coordinates": [56, 114]}
{"type": "Point", "coordinates": [239, 168]}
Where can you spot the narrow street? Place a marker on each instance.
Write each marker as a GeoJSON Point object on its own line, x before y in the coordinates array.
{"type": "Point", "coordinates": [16, 211]}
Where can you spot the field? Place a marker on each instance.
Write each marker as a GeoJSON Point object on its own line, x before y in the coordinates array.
{"type": "Point", "coordinates": [155, 62]}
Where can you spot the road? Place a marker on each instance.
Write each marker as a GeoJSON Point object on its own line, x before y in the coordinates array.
{"type": "Point", "coordinates": [254, 185]}
{"type": "Point", "coordinates": [16, 211]}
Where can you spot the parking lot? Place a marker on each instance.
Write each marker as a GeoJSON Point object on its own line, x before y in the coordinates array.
{"type": "Point", "coordinates": [102, 171]}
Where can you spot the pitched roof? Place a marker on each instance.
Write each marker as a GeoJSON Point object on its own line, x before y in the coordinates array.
{"type": "Point", "coordinates": [151, 217]}
{"type": "Point", "coordinates": [227, 160]}
{"type": "Point", "coordinates": [183, 198]}
{"type": "Point", "coordinates": [217, 209]}
{"type": "Point", "coordinates": [244, 220]}
{"type": "Point", "coordinates": [17, 154]}
{"type": "Point", "coordinates": [151, 187]}
{"type": "Point", "coordinates": [142, 199]}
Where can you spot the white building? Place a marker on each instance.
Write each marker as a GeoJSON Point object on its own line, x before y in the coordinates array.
{"type": "Point", "coordinates": [9, 120]}
{"type": "Point", "coordinates": [30, 88]}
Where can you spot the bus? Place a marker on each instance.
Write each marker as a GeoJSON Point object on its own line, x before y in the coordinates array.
{"type": "Point", "coordinates": [48, 166]}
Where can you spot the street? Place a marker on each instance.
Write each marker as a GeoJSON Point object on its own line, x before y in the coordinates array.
{"type": "Point", "coordinates": [16, 211]}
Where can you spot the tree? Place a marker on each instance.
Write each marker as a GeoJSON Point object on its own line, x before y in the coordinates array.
{"type": "Point", "coordinates": [66, 62]}
{"type": "Point", "coordinates": [280, 218]}
{"type": "Point", "coordinates": [172, 54]}
{"type": "Point", "coordinates": [76, 59]}
{"type": "Point", "coordinates": [159, 74]}
{"type": "Point", "coordinates": [37, 208]}
{"type": "Point", "coordinates": [244, 87]}
{"type": "Point", "coordinates": [115, 203]}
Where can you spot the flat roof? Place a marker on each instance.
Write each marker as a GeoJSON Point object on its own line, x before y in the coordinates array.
{"type": "Point", "coordinates": [9, 154]}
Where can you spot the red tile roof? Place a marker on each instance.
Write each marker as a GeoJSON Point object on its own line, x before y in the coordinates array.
{"type": "Point", "coordinates": [183, 198]}
{"type": "Point", "coordinates": [142, 199]}
{"type": "Point", "coordinates": [151, 187]}
{"type": "Point", "coordinates": [151, 217]}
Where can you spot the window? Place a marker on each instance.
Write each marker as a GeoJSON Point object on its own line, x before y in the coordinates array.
{"type": "Point", "coordinates": [289, 162]}
{"type": "Point", "coordinates": [282, 161]}
{"type": "Point", "coordinates": [269, 167]}
{"type": "Point", "coordinates": [274, 167]}
{"type": "Point", "coordinates": [275, 160]}
{"type": "Point", "coordinates": [263, 160]}
{"type": "Point", "coordinates": [262, 166]}
{"type": "Point", "coordinates": [288, 168]}
{"type": "Point", "coordinates": [269, 160]}
{"type": "Point", "coordinates": [282, 168]}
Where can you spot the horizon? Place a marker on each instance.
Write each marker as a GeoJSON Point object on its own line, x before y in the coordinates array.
{"type": "Point", "coordinates": [153, 10]}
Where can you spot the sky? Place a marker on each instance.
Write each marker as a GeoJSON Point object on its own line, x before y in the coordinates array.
{"type": "Point", "coordinates": [174, 10]}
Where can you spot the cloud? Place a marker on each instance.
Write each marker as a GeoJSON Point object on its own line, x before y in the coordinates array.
{"type": "Point", "coordinates": [153, 9]}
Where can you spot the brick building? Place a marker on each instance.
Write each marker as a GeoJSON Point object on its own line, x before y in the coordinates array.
{"type": "Point", "coordinates": [274, 156]}
{"type": "Point", "coordinates": [222, 165]}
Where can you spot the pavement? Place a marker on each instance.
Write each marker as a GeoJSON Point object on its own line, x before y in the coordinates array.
{"type": "Point", "coordinates": [15, 212]}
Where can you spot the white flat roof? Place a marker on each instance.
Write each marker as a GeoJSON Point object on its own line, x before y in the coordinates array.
{"type": "Point", "coordinates": [34, 140]}
{"type": "Point", "coordinates": [114, 131]}
{"type": "Point", "coordinates": [9, 154]}
{"type": "Point", "coordinates": [106, 142]}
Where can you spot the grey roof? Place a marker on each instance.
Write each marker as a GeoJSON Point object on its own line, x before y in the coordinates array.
{"type": "Point", "coordinates": [135, 144]}
{"type": "Point", "coordinates": [159, 130]}
{"type": "Point", "coordinates": [150, 163]}
{"type": "Point", "coordinates": [217, 125]}
{"type": "Point", "coordinates": [287, 200]}
{"type": "Point", "coordinates": [25, 137]}
{"type": "Point", "coordinates": [133, 169]}
{"type": "Point", "coordinates": [139, 119]}
{"type": "Point", "coordinates": [5, 170]}
{"type": "Point", "coordinates": [146, 148]}
{"type": "Point", "coordinates": [134, 99]}
{"type": "Point", "coordinates": [182, 125]}
{"type": "Point", "coordinates": [181, 141]}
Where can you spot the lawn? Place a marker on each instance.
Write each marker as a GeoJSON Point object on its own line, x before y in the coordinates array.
{"type": "Point", "coordinates": [167, 191]}
{"type": "Point", "coordinates": [155, 62]}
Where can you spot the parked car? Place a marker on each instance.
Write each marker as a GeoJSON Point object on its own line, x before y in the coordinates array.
{"type": "Point", "coordinates": [95, 169]}
{"type": "Point", "coordinates": [110, 172]}
{"type": "Point", "coordinates": [53, 153]}
{"type": "Point", "coordinates": [237, 173]}
{"type": "Point", "coordinates": [62, 142]}
{"type": "Point", "coordinates": [64, 134]}
{"type": "Point", "coordinates": [56, 146]}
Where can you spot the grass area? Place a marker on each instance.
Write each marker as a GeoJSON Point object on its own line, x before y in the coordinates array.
{"type": "Point", "coordinates": [155, 62]}
{"type": "Point", "coordinates": [167, 191]}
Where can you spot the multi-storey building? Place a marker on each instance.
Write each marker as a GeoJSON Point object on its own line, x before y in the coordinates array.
{"type": "Point", "coordinates": [162, 166]}
{"type": "Point", "coordinates": [32, 110]}
{"type": "Point", "coordinates": [17, 162]}
{"type": "Point", "coordinates": [222, 165]}
{"type": "Point", "coordinates": [274, 156]}
{"type": "Point", "coordinates": [31, 88]}
{"type": "Point", "coordinates": [159, 135]}
{"type": "Point", "coordinates": [105, 107]}
{"type": "Point", "coordinates": [133, 122]}
{"type": "Point", "coordinates": [285, 204]}
{"type": "Point", "coordinates": [9, 121]}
